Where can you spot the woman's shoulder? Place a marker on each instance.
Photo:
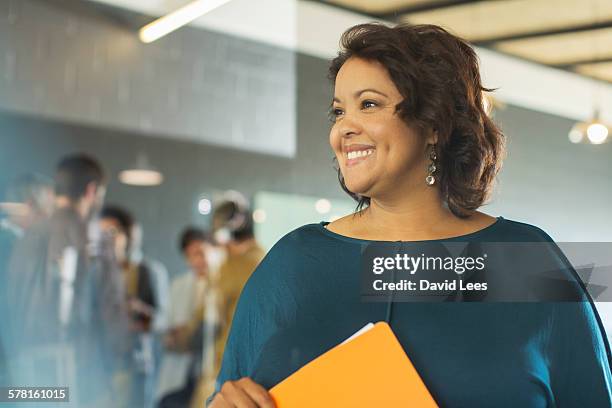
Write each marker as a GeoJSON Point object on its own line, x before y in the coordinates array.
{"type": "Point", "coordinates": [297, 239]}
{"type": "Point", "coordinates": [520, 231]}
{"type": "Point", "coordinates": [298, 246]}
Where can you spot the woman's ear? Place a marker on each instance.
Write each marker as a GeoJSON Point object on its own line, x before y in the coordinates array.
{"type": "Point", "coordinates": [432, 137]}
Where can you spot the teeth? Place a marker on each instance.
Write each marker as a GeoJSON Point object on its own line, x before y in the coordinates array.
{"type": "Point", "coordinates": [359, 153]}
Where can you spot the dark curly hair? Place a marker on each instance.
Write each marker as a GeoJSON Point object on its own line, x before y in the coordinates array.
{"type": "Point", "coordinates": [192, 234]}
{"type": "Point", "coordinates": [438, 76]}
{"type": "Point", "coordinates": [123, 217]}
{"type": "Point", "coordinates": [75, 172]}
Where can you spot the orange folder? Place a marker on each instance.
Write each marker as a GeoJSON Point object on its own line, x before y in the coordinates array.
{"type": "Point", "coordinates": [369, 370]}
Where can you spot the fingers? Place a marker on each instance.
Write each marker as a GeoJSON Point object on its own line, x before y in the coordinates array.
{"type": "Point", "coordinates": [220, 402]}
{"type": "Point", "coordinates": [237, 396]}
{"type": "Point", "coordinates": [244, 393]}
{"type": "Point", "coordinates": [258, 393]}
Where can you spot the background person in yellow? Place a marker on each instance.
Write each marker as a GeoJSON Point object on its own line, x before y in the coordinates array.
{"type": "Point", "coordinates": [232, 226]}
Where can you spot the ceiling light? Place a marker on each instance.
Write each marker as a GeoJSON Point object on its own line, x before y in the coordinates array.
{"type": "Point", "coordinates": [323, 206]}
{"type": "Point", "coordinates": [593, 131]}
{"type": "Point", "coordinates": [204, 206]}
{"type": "Point", "coordinates": [597, 133]}
{"type": "Point", "coordinates": [142, 174]}
{"type": "Point", "coordinates": [259, 215]}
{"type": "Point", "coordinates": [177, 19]}
{"type": "Point", "coordinates": [577, 133]}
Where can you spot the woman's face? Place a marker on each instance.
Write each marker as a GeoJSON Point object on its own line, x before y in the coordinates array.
{"type": "Point", "coordinates": [377, 151]}
{"type": "Point", "coordinates": [112, 227]}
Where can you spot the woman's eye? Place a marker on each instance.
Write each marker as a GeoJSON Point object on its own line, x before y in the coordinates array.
{"type": "Point", "coordinates": [368, 104]}
{"type": "Point", "coordinates": [334, 113]}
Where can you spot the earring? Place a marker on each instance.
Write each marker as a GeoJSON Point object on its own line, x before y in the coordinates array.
{"type": "Point", "coordinates": [431, 168]}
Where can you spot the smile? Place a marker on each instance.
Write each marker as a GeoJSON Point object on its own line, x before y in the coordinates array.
{"type": "Point", "coordinates": [358, 156]}
{"type": "Point", "coordinates": [359, 153]}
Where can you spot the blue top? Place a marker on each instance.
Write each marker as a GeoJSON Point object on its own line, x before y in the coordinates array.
{"type": "Point", "coordinates": [304, 298]}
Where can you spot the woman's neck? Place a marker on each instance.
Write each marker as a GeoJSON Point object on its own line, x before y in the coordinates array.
{"type": "Point", "coordinates": [417, 215]}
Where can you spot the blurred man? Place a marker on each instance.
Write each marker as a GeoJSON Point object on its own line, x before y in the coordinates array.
{"type": "Point", "coordinates": [142, 300]}
{"type": "Point", "coordinates": [177, 379]}
{"type": "Point", "coordinates": [28, 200]}
{"type": "Point", "coordinates": [51, 265]}
{"type": "Point", "coordinates": [233, 229]}
{"type": "Point", "coordinates": [51, 295]}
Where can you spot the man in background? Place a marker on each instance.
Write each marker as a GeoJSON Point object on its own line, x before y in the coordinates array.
{"type": "Point", "coordinates": [50, 297]}
{"type": "Point", "coordinates": [27, 201]}
{"type": "Point", "coordinates": [49, 268]}
{"type": "Point", "coordinates": [233, 229]}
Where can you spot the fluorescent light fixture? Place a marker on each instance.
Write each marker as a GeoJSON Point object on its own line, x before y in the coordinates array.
{"type": "Point", "coordinates": [142, 174]}
{"type": "Point", "coordinates": [177, 19]}
{"type": "Point", "coordinates": [141, 177]}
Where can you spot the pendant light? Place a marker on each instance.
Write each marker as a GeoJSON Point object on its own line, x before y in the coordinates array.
{"type": "Point", "coordinates": [593, 131]}
{"type": "Point", "coordinates": [141, 174]}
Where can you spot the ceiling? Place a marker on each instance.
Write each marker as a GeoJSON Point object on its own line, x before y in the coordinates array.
{"type": "Point", "coordinates": [574, 35]}
{"type": "Point", "coordinates": [289, 24]}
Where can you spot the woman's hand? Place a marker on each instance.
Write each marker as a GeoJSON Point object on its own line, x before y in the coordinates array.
{"type": "Point", "coordinates": [243, 393]}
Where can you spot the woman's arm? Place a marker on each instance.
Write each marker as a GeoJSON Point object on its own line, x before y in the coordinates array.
{"type": "Point", "coordinates": [580, 351]}
{"type": "Point", "coordinates": [580, 367]}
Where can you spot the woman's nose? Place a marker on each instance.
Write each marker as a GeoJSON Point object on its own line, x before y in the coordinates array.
{"type": "Point", "coordinates": [349, 126]}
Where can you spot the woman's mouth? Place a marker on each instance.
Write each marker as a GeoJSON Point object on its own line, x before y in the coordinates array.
{"type": "Point", "coordinates": [356, 157]}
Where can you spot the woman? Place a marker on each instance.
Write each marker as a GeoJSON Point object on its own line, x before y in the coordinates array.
{"type": "Point", "coordinates": [417, 150]}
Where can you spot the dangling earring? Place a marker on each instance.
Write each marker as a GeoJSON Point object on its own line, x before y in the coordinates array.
{"type": "Point", "coordinates": [431, 168]}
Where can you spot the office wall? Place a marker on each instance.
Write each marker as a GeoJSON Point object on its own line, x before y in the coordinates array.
{"type": "Point", "coordinates": [74, 61]}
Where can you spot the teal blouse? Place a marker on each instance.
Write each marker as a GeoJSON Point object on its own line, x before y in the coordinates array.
{"type": "Point", "coordinates": [304, 298]}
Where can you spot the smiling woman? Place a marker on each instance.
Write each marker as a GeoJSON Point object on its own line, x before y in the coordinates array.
{"type": "Point", "coordinates": [416, 149]}
{"type": "Point", "coordinates": [424, 85]}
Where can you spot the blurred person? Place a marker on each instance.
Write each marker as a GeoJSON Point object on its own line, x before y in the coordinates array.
{"type": "Point", "coordinates": [182, 348]}
{"type": "Point", "coordinates": [50, 294]}
{"type": "Point", "coordinates": [142, 296]}
{"type": "Point", "coordinates": [152, 351]}
{"type": "Point", "coordinates": [53, 258]}
{"type": "Point", "coordinates": [233, 229]}
{"type": "Point", "coordinates": [28, 200]}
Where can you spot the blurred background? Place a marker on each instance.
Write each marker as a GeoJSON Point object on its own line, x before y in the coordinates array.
{"type": "Point", "coordinates": [210, 126]}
